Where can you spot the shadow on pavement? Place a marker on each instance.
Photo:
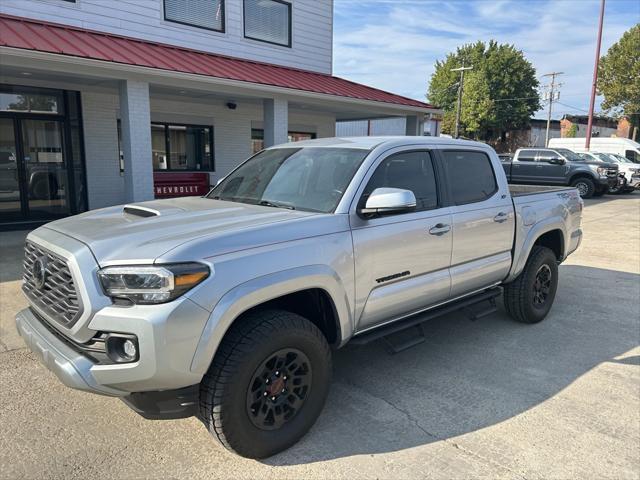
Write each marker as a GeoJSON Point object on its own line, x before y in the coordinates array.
{"type": "Point", "coordinates": [11, 253]}
{"type": "Point", "coordinates": [471, 375]}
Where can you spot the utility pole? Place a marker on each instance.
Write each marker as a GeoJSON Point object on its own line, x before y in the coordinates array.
{"type": "Point", "coordinates": [587, 142]}
{"type": "Point", "coordinates": [460, 87]}
{"type": "Point", "coordinates": [551, 96]}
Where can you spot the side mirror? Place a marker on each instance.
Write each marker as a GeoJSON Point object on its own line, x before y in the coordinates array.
{"type": "Point", "coordinates": [556, 161]}
{"type": "Point", "coordinates": [389, 200]}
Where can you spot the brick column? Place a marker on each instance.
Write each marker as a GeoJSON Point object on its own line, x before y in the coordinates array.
{"type": "Point", "coordinates": [135, 122]}
{"type": "Point", "coordinates": [276, 121]}
{"type": "Point", "coordinates": [413, 126]}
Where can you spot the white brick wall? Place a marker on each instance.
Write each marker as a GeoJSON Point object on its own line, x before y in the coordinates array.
{"type": "Point", "coordinates": [136, 140]}
{"type": "Point", "coordinates": [232, 136]}
{"type": "Point", "coordinates": [105, 185]}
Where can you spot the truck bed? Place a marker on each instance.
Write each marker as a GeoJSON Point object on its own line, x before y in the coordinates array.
{"type": "Point", "coordinates": [522, 190]}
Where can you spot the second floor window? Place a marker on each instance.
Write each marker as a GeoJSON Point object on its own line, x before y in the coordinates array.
{"type": "Point", "coordinates": [268, 21]}
{"type": "Point", "coordinates": [199, 13]}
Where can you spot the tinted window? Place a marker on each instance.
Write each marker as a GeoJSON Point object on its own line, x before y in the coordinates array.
{"type": "Point", "coordinates": [207, 14]}
{"type": "Point", "coordinates": [633, 156]}
{"type": "Point", "coordinates": [527, 156]}
{"type": "Point", "coordinates": [268, 21]}
{"type": "Point", "coordinates": [470, 176]}
{"type": "Point", "coordinates": [409, 171]}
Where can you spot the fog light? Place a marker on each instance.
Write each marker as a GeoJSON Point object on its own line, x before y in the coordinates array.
{"type": "Point", "coordinates": [130, 348]}
{"type": "Point", "coordinates": [122, 348]}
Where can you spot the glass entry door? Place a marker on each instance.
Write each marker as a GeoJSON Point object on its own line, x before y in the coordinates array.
{"type": "Point", "coordinates": [33, 169]}
{"type": "Point", "coordinates": [10, 206]}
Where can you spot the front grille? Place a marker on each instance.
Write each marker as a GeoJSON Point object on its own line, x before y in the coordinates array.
{"type": "Point", "coordinates": [612, 172]}
{"type": "Point", "coordinates": [56, 298]}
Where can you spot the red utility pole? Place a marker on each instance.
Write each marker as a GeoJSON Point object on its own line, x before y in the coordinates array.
{"type": "Point", "coordinates": [595, 79]}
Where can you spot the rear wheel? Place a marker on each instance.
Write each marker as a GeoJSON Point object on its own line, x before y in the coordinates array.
{"type": "Point", "coordinates": [530, 296]}
{"type": "Point", "coordinates": [267, 384]}
{"type": "Point", "coordinates": [585, 186]}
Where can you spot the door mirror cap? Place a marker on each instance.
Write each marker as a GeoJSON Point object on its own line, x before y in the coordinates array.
{"type": "Point", "coordinates": [389, 200]}
{"type": "Point", "coordinates": [556, 161]}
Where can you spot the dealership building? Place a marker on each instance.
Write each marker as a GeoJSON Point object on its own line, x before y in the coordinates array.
{"type": "Point", "coordinates": [109, 102]}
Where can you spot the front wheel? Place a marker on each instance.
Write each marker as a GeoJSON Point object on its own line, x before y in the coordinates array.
{"type": "Point", "coordinates": [267, 384]}
{"type": "Point", "coordinates": [530, 296]}
{"type": "Point", "coordinates": [586, 187]}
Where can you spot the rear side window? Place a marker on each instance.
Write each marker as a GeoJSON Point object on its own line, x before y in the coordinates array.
{"type": "Point", "coordinates": [527, 156]}
{"type": "Point", "coordinates": [470, 176]}
{"type": "Point", "coordinates": [409, 171]}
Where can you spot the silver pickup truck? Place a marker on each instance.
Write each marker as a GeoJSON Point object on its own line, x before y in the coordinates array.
{"type": "Point", "coordinates": [228, 307]}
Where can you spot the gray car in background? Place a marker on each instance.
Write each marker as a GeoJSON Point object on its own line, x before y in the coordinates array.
{"type": "Point", "coordinates": [561, 166]}
{"type": "Point", "coordinates": [228, 307]}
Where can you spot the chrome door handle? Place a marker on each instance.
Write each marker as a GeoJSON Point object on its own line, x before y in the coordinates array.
{"type": "Point", "coordinates": [439, 229]}
{"type": "Point", "coordinates": [501, 217]}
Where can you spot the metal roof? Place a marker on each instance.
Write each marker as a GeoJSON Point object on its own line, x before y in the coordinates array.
{"type": "Point", "coordinates": [29, 34]}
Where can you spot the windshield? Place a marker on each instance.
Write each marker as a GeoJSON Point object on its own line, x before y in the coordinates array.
{"type": "Point", "coordinates": [311, 178]}
{"type": "Point", "coordinates": [569, 155]}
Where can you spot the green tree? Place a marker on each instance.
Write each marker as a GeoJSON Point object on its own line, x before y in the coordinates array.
{"type": "Point", "coordinates": [571, 131]}
{"type": "Point", "coordinates": [619, 76]}
{"type": "Point", "coordinates": [500, 93]}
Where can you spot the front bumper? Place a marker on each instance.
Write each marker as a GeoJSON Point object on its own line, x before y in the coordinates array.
{"type": "Point", "coordinates": [634, 182]}
{"type": "Point", "coordinates": [70, 366]}
{"type": "Point", "coordinates": [167, 338]}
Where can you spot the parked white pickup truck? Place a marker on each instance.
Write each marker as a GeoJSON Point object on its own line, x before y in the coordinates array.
{"type": "Point", "coordinates": [228, 306]}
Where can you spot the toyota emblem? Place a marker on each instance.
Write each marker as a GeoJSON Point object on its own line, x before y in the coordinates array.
{"type": "Point", "coordinates": [39, 271]}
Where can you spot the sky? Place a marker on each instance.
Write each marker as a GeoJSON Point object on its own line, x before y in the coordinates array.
{"type": "Point", "coordinates": [394, 44]}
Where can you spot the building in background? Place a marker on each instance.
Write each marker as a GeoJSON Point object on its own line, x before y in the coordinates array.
{"type": "Point", "coordinates": [387, 126]}
{"type": "Point", "coordinates": [576, 126]}
{"type": "Point", "coordinates": [104, 103]}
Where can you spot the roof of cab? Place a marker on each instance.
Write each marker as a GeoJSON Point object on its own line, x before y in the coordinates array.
{"type": "Point", "coordinates": [369, 143]}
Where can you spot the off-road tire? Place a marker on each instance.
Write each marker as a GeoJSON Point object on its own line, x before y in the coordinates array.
{"type": "Point", "coordinates": [519, 294]}
{"type": "Point", "coordinates": [589, 186]}
{"type": "Point", "coordinates": [224, 389]}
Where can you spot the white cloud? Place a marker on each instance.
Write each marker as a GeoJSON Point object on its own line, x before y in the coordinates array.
{"type": "Point", "coordinates": [393, 45]}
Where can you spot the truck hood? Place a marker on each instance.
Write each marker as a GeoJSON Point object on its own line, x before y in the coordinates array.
{"type": "Point", "coordinates": [142, 232]}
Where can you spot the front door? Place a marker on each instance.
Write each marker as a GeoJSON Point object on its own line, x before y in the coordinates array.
{"type": "Point", "coordinates": [524, 169]}
{"type": "Point", "coordinates": [33, 169]}
{"type": "Point", "coordinates": [550, 172]}
{"type": "Point", "coordinates": [402, 260]}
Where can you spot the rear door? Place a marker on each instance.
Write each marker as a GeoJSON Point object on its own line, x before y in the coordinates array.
{"type": "Point", "coordinates": [483, 219]}
{"type": "Point", "coordinates": [401, 259]}
{"type": "Point", "coordinates": [523, 169]}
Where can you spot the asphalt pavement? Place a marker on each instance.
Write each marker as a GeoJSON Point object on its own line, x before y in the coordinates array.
{"type": "Point", "coordinates": [484, 399]}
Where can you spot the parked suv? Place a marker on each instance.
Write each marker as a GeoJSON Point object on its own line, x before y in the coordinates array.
{"type": "Point", "coordinates": [228, 306]}
{"type": "Point", "coordinates": [560, 166]}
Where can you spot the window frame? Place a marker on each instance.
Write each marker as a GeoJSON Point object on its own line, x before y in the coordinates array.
{"type": "Point", "coordinates": [223, 22]}
{"type": "Point", "coordinates": [244, 25]}
{"type": "Point", "coordinates": [535, 151]}
{"type": "Point", "coordinates": [436, 175]}
{"type": "Point", "coordinates": [167, 143]}
{"type": "Point", "coordinates": [449, 182]}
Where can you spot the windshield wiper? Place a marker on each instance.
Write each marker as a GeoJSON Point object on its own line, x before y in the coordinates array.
{"type": "Point", "coordinates": [267, 203]}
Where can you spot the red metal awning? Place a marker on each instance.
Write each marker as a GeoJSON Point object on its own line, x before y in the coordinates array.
{"type": "Point", "coordinates": [28, 34]}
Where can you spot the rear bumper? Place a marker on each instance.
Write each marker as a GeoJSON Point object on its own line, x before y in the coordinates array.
{"type": "Point", "coordinates": [70, 366]}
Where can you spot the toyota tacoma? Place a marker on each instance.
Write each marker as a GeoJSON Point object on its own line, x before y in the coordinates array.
{"type": "Point", "coordinates": [228, 307]}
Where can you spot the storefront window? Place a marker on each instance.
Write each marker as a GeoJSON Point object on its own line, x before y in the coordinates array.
{"type": "Point", "coordinates": [178, 147]}
{"type": "Point", "coordinates": [30, 102]}
{"type": "Point", "coordinates": [257, 138]}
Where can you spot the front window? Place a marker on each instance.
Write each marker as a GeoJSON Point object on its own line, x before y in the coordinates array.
{"type": "Point", "coordinates": [268, 21]}
{"type": "Point", "coordinates": [310, 179]}
{"type": "Point", "coordinates": [207, 14]}
{"type": "Point", "coordinates": [569, 155]}
{"type": "Point", "coordinates": [632, 155]}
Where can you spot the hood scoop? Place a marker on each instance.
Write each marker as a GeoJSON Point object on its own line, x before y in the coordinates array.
{"type": "Point", "coordinates": [137, 211]}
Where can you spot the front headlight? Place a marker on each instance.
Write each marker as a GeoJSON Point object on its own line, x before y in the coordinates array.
{"type": "Point", "coordinates": [602, 171]}
{"type": "Point", "coordinates": [151, 284]}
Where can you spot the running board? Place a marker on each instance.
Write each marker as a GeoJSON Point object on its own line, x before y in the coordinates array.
{"type": "Point", "coordinates": [475, 307]}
